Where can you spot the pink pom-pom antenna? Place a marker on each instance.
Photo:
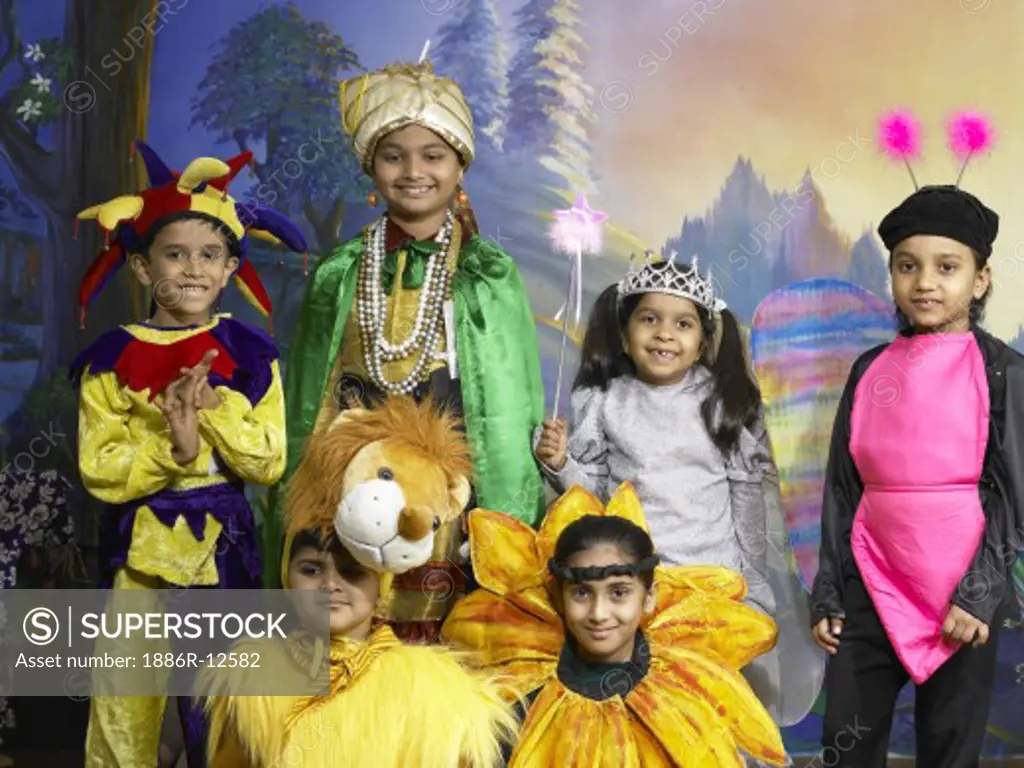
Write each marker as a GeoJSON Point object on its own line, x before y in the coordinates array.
{"type": "Point", "coordinates": [899, 135]}
{"type": "Point", "coordinates": [970, 133]}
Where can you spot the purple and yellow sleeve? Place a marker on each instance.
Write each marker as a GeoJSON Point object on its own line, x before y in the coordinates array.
{"type": "Point", "coordinates": [250, 439]}
{"type": "Point", "coordinates": [121, 456]}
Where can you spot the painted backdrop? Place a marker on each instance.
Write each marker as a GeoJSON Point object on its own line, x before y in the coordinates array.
{"type": "Point", "coordinates": [741, 130]}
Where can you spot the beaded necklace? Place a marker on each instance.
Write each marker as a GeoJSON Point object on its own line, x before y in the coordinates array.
{"type": "Point", "coordinates": [372, 308]}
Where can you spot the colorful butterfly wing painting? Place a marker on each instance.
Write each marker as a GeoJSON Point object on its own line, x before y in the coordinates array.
{"type": "Point", "coordinates": [804, 339]}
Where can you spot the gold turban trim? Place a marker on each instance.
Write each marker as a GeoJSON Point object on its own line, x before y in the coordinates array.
{"type": "Point", "coordinates": [377, 103]}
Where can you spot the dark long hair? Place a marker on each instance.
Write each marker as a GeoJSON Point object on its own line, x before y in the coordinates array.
{"type": "Point", "coordinates": [594, 530]}
{"type": "Point", "coordinates": [735, 400]}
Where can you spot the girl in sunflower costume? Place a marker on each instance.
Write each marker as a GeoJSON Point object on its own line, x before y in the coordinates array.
{"type": "Point", "coordinates": [176, 415]}
{"type": "Point", "coordinates": [420, 304]}
{"type": "Point", "coordinates": [620, 662]}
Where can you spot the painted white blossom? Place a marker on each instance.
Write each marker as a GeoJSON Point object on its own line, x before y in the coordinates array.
{"type": "Point", "coordinates": [41, 83]}
{"type": "Point", "coordinates": [29, 109]}
{"type": "Point", "coordinates": [34, 52]}
{"type": "Point", "coordinates": [22, 488]}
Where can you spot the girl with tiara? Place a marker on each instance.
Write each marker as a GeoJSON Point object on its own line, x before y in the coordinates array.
{"type": "Point", "coordinates": [419, 303]}
{"type": "Point", "coordinates": [616, 661]}
{"type": "Point", "coordinates": [924, 488]}
{"type": "Point", "coordinates": [665, 399]}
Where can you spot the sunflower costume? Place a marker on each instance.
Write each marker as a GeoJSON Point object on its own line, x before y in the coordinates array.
{"type": "Point", "coordinates": [679, 702]}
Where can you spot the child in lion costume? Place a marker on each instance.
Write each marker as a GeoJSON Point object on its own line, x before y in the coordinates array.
{"type": "Point", "coordinates": [368, 501]}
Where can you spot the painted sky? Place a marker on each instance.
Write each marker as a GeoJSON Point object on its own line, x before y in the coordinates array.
{"type": "Point", "coordinates": [685, 86]}
{"type": "Point", "coordinates": [185, 44]}
{"type": "Point", "coordinates": [795, 84]}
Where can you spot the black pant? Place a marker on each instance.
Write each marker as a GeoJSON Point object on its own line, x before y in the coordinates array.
{"type": "Point", "coordinates": [864, 678]}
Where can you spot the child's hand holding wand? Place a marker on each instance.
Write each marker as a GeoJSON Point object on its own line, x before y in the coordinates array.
{"type": "Point", "coordinates": [552, 447]}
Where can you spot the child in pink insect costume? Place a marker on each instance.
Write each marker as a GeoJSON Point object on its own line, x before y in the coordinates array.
{"type": "Point", "coordinates": [924, 487]}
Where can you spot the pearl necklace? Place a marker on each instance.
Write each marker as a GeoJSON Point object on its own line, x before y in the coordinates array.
{"type": "Point", "coordinates": [372, 309]}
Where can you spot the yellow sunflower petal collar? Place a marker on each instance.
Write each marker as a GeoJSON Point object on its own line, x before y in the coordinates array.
{"type": "Point", "coordinates": [700, 635]}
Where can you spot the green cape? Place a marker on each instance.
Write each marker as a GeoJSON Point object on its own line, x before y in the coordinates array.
{"type": "Point", "coordinates": [498, 367]}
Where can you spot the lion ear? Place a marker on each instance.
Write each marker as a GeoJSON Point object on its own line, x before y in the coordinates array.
{"type": "Point", "coordinates": [348, 415]}
{"type": "Point", "coordinates": [460, 492]}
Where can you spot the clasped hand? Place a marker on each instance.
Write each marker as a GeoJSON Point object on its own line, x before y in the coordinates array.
{"type": "Point", "coordinates": [180, 404]}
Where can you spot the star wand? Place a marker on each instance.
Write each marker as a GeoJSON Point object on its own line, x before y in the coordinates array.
{"type": "Point", "coordinates": [575, 231]}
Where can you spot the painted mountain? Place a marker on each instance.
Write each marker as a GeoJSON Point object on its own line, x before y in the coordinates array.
{"type": "Point", "coordinates": [754, 240]}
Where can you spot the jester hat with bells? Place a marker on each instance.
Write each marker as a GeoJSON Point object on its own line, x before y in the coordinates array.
{"type": "Point", "coordinates": [201, 190]}
{"type": "Point", "coordinates": [382, 481]}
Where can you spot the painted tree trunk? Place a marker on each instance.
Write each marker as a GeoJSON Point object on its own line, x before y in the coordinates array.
{"type": "Point", "coordinates": [89, 163]}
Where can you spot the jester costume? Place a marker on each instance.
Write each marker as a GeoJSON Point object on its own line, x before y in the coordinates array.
{"type": "Point", "coordinates": [387, 704]}
{"type": "Point", "coordinates": [921, 513]}
{"type": "Point", "coordinates": [446, 316]}
{"type": "Point", "coordinates": [168, 524]}
{"type": "Point", "coordinates": [680, 701]}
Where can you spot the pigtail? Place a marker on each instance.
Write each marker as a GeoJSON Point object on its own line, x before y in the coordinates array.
{"type": "Point", "coordinates": [603, 357]}
{"type": "Point", "coordinates": [735, 400]}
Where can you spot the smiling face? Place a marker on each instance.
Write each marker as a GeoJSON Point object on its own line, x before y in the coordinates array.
{"type": "Point", "coordinates": [416, 172]}
{"type": "Point", "coordinates": [663, 338]}
{"type": "Point", "coordinates": [187, 265]}
{"type": "Point", "coordinates": [934, 281]}
{"type": "Point", "coordinates": [604, 616]}
{"type": "Point", "coordinates": [333, 577]}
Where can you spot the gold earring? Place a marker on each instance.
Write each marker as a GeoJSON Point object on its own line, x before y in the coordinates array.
{"type": "Point", "coordinates": [372, 200]}
{"type": "Point", "coordinates": [462, 198]}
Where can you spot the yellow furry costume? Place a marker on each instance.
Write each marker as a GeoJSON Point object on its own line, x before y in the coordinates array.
{"type": "Point", "coordinates": [388, 705]}
{"type": "Point", "coordinates": [691, 707]}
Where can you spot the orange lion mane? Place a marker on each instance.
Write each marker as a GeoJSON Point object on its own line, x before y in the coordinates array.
{"type": "Point", "coordinates": [401, 424]}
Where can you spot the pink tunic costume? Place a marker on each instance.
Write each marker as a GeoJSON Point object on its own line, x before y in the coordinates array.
{"type": "Point", "coordinates": [918, 433]}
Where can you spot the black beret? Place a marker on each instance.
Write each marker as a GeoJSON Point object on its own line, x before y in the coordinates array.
{"type": "Point", "coordinates": [942, 210]}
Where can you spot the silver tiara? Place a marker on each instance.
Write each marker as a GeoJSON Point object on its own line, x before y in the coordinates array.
{"type": "Point", "coordinates": [686, 283]}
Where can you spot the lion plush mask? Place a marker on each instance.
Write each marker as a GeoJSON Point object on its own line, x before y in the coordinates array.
{"type": "Point", "coordinates": [383, 480]}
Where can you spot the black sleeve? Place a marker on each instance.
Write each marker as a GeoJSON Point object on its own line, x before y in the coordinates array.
{"type": "Point", "coordinates": [521, 708]}
{"type": "Point", "coordinates": [842, 492]}
{"type": "Point", "coordinates": [983, 588]}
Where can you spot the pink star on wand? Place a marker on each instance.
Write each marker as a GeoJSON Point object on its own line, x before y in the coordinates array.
{"type": "Point", "coordinates": [577, 229]}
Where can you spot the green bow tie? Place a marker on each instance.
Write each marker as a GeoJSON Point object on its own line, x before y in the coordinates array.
{"type": "Point", "coordinates": [416, 254]}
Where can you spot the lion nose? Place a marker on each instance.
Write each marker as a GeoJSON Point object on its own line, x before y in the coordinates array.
{"type": "Point", "coordinates": [415, 522]}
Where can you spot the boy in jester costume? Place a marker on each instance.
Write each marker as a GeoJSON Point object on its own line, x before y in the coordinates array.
{"type": "Point", "coordinates": [177, 413]}
{"type": "Point", "coordinates": [419, 303]}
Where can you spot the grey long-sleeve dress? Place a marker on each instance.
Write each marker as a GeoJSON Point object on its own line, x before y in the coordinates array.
{"type": "Point", "coordinates": [703, 508]}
